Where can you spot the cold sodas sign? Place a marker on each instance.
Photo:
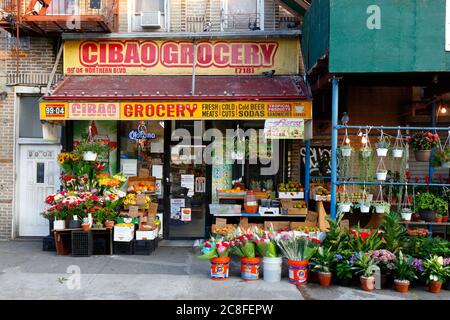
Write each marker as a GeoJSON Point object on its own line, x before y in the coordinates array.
{"type": "Point", "coordinates": [134, 57]}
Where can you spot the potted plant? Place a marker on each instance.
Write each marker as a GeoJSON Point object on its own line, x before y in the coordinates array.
{"type": "Point", "coordinates": [343, 269]}
{"type": "Point", "coordinates": [89, 150]}
{"type": "Point", "coordinates": [244, 246]}
{"type": "Point", "coordinates": [86, 226]}
{"type": "Point", "coordinates": [365, 266]}
{"type": "Point", "coordinates": [345, 205]}
{"type": "Point", "coordinates": [110, 218]}
{"type": "Point", "coordinates": [382, 146]}
{"type": "Point", "coordinates": [435, 272]}
{"type": "Point", "coordinates": [217, 250]}
{"type": "Point", "coordinates": [406, 214]}
{"type": "Point", "coordinates": [429, 206]}
{"type": "Point", "coordinates": [365, 152]}
{"type": "Point", "coordinates": [363, 205]}
{"type": "Point", "coordinates": [321, 263]}
{"type": "Point", "coordinates": [382, 207]}
{"type": "Point", "coordinates": [422, 143]}
{"type": "Point", "coordinates": [441, 158]}
{"type": "Point", "coordinates": [74, 222]}
{"type": "Point", "coordinates": [386, 261]}
{"type": "Point", "coordinates": [403, 273]}
{"type": "Point", "coordinates": [298, 251]}
{"type": "Point", "coordinates": [381, 174]}
{"type": "Point", "coordinates": [60, 219]}
{"type": "Point", "coordinates": [397, 152]}
{"type": "Point", "coordinates": [445, 218]}
{"type": "Point", "coordinates": [272, 260]}
{"type": "Point", "coordinates": [438, 218]}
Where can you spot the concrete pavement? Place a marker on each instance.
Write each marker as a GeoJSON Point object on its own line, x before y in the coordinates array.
{"type": "Point", "coordinates": [26, 272]}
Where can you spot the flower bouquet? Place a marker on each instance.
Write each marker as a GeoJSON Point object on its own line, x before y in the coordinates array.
{"type": "Point", "coordinates": [217, 250]}
{"type": "Point", "coordinates": [272, 261]}
{"type": "Point", "coordinates": [244, 246]}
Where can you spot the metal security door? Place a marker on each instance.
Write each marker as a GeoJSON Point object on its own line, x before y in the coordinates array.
{"type": "Point", "coordinates": [38, 177]}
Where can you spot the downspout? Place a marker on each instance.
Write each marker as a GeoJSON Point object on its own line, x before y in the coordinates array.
{"type": "Point", "coordinates": [18, 22]}
{"type": "Point", "coordinates": [194, 62]}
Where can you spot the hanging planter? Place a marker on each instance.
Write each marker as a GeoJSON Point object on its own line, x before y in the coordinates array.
{"type": "Point", "coordinates": [423, 142]}
{"type": "Point", "coordinates": [406, 214]}
{"type": "Point", "coordinates": [381, 207]}
{"type": "Point", "coordinates": [344, 207]}
{"type": "Point", "coordinates": [382, 152]}
{"type": "Point", "coordinates": [397, 153]}
{"type": "Point", "coordinates": [381, 175]}
{"type": "Point", "coordinates": [90, 150]}
{"type": "Point", "coordinates": [382, 145]}
{"type": "Point", "coordinates": [346, 151]}
{"type": "Point", "coordinates": [441, 158]}
{"type": "Point", "coordinates": [366, 152]}
{"type": "Point", "coordinates": [89, 156]}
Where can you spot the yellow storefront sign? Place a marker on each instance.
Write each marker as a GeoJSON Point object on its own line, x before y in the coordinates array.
{"type": "Point", "coordinates": [148, 57]}
{"type": "Point", "coordinates": [176, 110]}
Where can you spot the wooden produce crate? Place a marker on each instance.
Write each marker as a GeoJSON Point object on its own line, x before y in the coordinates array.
{"type": "Point", "coordinates": [277, 225]}
{"type": "Point", "coordinates": [63, 242]}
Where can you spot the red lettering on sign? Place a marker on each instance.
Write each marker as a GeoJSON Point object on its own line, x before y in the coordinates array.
{"type": "Point", "coordinates": [149, 54]}
{"type": "Point", "coordinates": [132, 54]}
{"type": "Point", "coordinates": [180, 110]}
{"type": "Point", "coordinates": [186, 54]}
{"type": "Point", "coordinates": [115, 53]}
{"type": "Point", "coordinates": [221, 54]}
{"type": "Point", "coordinates": [90, 53]}
{"type": "Point", "coordinates": [268, 52]}
{"type": "Point", "coordinates": [251, 57]}
{"type": "Point", "coordinates": [169, 53]}
{"type": "Point", "coordinates": [204, 54]}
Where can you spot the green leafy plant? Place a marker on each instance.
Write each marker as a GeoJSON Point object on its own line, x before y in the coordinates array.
{"type": "Point", "coordinates": [403, 269]}
{"type": "Point", "coordinates": [366, 170]}
{"type": "Point", "coordinates": [362, 241]}
{"type": "Point", "coordinates": [296, 248]}
{"type": "Point", "coordinates": [364, 265]}
{"type": "Point", "coordinates": [383, 142]}
{"type": "Point", "coordinates": [337, 238]}
{"type": "Point", "coordinates": [394, 232]}
{"type": "Point", "coordinates": [323, 260]}
{"type": "Point", "coordinates": [434, 269]}
{"type": "Point", "coordinates": [96, 147]}
{"type": "Point", "coordinates": [440, 157]}
{"type": "Point", "coordinates": [428, 201]}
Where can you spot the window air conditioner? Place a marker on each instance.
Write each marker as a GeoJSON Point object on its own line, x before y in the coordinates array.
{"type": "Point", "coordinates": [151, 19]}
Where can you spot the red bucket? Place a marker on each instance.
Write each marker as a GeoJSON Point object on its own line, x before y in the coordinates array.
{"type": "Point", "coordinates": [298, 272]}
{"type": "Point", "coordinates": [219, 268]}
{"type": "Point", "coordinates": [250, 268]}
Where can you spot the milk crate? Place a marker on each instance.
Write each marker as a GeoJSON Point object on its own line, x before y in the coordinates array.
{"type": "Point", "coordinates": [121, 247]}
{"type": "Point", "coordinates": [144, 247]}
{"type": "Point", "coordinates": [82, 244]}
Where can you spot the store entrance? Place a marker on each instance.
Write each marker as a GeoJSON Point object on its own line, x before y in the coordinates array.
{"type": "Point", "coordinates": [189, 198]}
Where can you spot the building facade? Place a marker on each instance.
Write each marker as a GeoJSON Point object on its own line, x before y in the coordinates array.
{"type": "Point", "coordinates": [33, 60]}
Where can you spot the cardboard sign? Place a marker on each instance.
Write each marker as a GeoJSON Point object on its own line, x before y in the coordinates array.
{"type": "Point", "coordinates": [133, 211]}
{"type": "Point", "coordinates": [221, 222]}
{"type": "Point", "coordinates": [144, 173]}
{"type": "Point", "coordinates": [140, 199]}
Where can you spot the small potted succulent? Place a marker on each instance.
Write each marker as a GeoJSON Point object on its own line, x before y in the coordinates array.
{"type": "Point", "coordinates": [321, 263]}
{"type": "Point", "coordinates": [382, 146]}
{"type": "Point", "coordinates": [435, 272]}
{"type": "Point", "coordinates": [403, 273]}
{"type": "Point", "coordinates": [365, 266]}
{"type": "Point", "coordinates": [89, 150]}
{"type": "Point", "coordinates": [422, 143]}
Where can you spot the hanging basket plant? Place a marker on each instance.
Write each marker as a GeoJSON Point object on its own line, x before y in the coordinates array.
{"type": "Point", "coordinates": [381, 171]}
{"type": "Point", "coordinates": [345, 205]}
{"type": "Point", "coordinates": [346, 149]}
{"type": "Point", "coordinates": [383, 145]}
{"type": "Point", "coordinates": [441, 158]}
{"type": "Point", "coordinates": [399, 147]}
{"type": "Point", "coordinates": [422, 143]}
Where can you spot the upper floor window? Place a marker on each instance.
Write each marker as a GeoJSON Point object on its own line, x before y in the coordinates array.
{"type": "Point", "coordinates": [149, 15]}
{"type": "Point", "coordinates": [242, 15]}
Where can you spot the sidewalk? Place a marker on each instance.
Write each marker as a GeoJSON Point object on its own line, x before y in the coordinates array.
{"type": "Point", "coordinates": [27, 272]}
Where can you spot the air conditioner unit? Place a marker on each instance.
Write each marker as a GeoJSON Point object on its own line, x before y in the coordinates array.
{"type": "Point", "coordinates": [151, 19]}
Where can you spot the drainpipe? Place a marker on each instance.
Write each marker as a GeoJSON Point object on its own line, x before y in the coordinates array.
{"type": "Point", "coordinates": [18, 22]}
{"type": "Point", "coordinates": [194, 66]}
{"type": "Point", "coordinates": [334, 144]}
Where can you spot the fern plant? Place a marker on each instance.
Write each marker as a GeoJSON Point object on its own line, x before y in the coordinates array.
{"type": "Point", "coordinates": [394, 232]}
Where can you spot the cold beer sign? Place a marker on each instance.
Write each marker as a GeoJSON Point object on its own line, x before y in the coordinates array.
{"type": "Point", "coordinates": [140, 57]}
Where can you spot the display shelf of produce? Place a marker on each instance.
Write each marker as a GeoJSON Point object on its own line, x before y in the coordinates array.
{"type": "Point", "coordinates": [418, 223]}
{"type": "Point", "coordinates": [260, 215]}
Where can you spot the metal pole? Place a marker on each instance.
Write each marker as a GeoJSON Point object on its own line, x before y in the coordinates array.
{"type": "Point", "coordinates": [307, 167]}
{"type": "Point", "coordinates": [194, 66]}
{"type": "Point", "coordinates": [433, 124]}
{"type": "Point", "coordinates": [394, 128]}
{"type": "Point", "coordinates": [334, 144]}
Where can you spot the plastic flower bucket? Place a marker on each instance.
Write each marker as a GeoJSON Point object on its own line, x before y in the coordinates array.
{"type": "Point", "coordinates": [220, 268]}
{"type": "Point", "coordinates": [250, 268]}
{"type": "Point", "coordinates": [298, 272]}
{"type": "Point", "coordinates": [397, 153]}
{"type": "Point", "coordinates": [59, 224]}
{"type": "Point", "coordinates": [272, 269]}
{"type": "Point", "coordinates": [382, 152]}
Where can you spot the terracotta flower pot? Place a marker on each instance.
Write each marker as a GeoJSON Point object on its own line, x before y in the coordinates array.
{"type": "Point", "coordinates": [85, 227]}
{"type": "Point", "coordinates": [401, 285]}
{"type": "Point", "coordinates": [438, 219]}
{"type": "Point", "coordinates": [422, 155]}
{"type": "Point", "coordinates": [325, 278]}
{"type": "Point", "coordinates": [435, 286]}
{"type": "Point", "coordinates": [367, 283]}
{"type": "Point", "coordinates": [445, 219]}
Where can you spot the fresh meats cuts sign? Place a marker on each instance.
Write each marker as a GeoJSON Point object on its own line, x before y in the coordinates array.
{"type": "Point", "coordinates": [140, 57]}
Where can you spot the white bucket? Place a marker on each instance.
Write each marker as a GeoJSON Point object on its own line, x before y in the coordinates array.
{"type": "Point", "coordinates": [397, 153]}
{"type": "Point", "coordinates": [346, 152]}
{"type": "Point", "coordinates": [89, 156]}
{"type": "Point", "coordinates": [379, 209]}
{"type": "Point", "coordinates": [59, 224]}
{"type": "Point", "coordinates": [382, 152]}
{"type": "Point", "coordinates": [364, 209]}
{"type": "Point", "coordinates": [406, 216]}
{"type": "Point", "coordinates": [272, 269]}
{"type": "Point", "coordinates": [345, 207]}
{"type": "Point", "coordinates": [446, 165]}
{"type": "Point", "coordinates": [381, 176]}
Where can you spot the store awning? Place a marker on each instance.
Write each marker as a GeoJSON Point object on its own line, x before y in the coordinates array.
{"type": "Point", "coordinates": [179, 87]}
{"type": "Point", "coordinates": [170, 98]}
